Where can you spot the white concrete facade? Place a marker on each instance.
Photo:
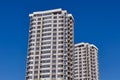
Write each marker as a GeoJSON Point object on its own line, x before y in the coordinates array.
{"type": "Point", "coordinates": [86, 62]}
{"type": "Point", "coordinates": [51, 46]}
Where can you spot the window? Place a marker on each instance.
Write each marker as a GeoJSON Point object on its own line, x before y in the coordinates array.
{"type": "Point", "coordinates": [54, 71]}
{"type": "Point", "coordinates": [54, 61]}
{"type": "Point", "coordinates": [31, 32]}
{"type": "Point", "coordinates": [54, 47]}
{"type": "Point", "coordinates": [46, 56]}
{"type": "Point", "coordinates": [60, 37]}
{"type": "Point", "coordinates": [37, 57]}
{"type": "Point", "coordinates": [37, 48]}
{"type": "Point", "coordinates": [30, 77]}
{"type": "Point", "coordinates": [54, 56]}
{"type": "Point", "coordinates": [45, 66]}
{"type": "Point", "coordinates": [46, 47]}
{"type": "Point", "coordinates": [49, 25]}
{"type": "Point", "coordinates": [30, 72]}
{"type": "Point", "coordinates": [38, 31]}
{"type": "Point", "coordinates": [54, 38]}
{"type": "Point", "coordinates": [44, 43]}
{"type": "Point", "coordinates": [44, 30]}
{"type": "Point", "coordinates": [60, 56]}
{"type": "Point", "coordinates": [35, 15]}
{"type": "Point", "coordinates": [60, 51]}
{"type": "Point", "coordinates": [36, 62]}
{"type": "Point", "coordinates": [35, 72]}
{"type": "Point", "coordinates": [46, 38]}
{"type": "Point", "coordinates": [33, 24]}
{"type": "Point", "coordinates": [61, 29]}
{"type": "Point", "coordinates": [54, 34]}
{"type": "Point", "coordinates": [61, 25]}
{"type": "Point", "coordinates": [54, 52]}
{"type": "Point", "coordinates": [38, 27]}
{"type": "Point", "coordinates": [59, 76]}
{"type": "Point", "coordinates": [45, 76]}
{"type": "Point", "coordinates": [31, 67]}
{"type": "Point", "coordinates": [55, 25]}
{"type": "Point", "coordinates": [54, 42]}
{"type": "Point", "coordinates": [39, 23]}
{"type": "Point", "coordinates": [32, 40]}
{"type": "Point", "coordinates": [53, 66]}
{"type": "Point", "coordinates": [60, 20]}
{"type": "Point", "coordinates": [61, 33]}
{"type": "Point", "coordinates": [60, 42]}
{"type": "Point", "coordinates": [45, 52]}
{"type": "Point", "coordinates": [46, 34]}
{"type": "Point", "coordinates": [39, 18]}
{"type": "Point", "coordinates": [30, 62]}
{"type": "Point", "coordinates": [31, 49]}
{"type": "Point", "coordinates": [54, 29]}
{"type": "Point", "coordinates": [49, 17]}
{"type": "Point", "coordinates": [53, 76]}
{"type": "Point", "coordinates": [30, 58]}
{"type": "Point", "coordinates": [61, 16]}
{"type": "Point", "coordinates": [31, 53]}
{"type": "Point", "coordinates": [33, 20]}
{"type": "Point", "coordinates": [38, 35]}
{"type": "Point", "coordinates": [45, 14]}
{"type": "Point", "coordinates": [45, 71]}
{"type": "Point", "coordinates": [38, 39]}
{"type": "Point", "coordinates": [55, 21]}
{"type": "Point", "coordinates": [60, 70]}
{"type": "Point", "coordinates": [60, 46]}
{"type": "Point", "coordinates": [55, 17]}
{"type": "Point", "coordinates": [31, 36]}
{"type": "Point", "coordinates": [60, 60]}
{"type": "Point", "coordinates": [37, 53]}
{"type": "Point", "coordinates": [45, 61]}
{"type": "Point", "coordinates": [35, 77]}
{"type": "Point", "coordinates": [36, 67]}
{"type": "Point", "coordinates": [48, 21]}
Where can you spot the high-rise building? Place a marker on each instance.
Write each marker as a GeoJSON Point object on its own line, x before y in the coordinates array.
{"type": "Point", "coordinates": [86, 62]}
{"type": "Point", "coordinates": [51, 46]}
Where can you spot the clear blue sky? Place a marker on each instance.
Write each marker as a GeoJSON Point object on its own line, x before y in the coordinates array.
{"type": "Point", "coordinates": [96, 21]}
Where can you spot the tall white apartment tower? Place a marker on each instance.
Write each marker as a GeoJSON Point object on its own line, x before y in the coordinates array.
{"type": "Point", "coordinates": [51, 46]}
{"type": "Point", "coordinates": [86, 62]}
